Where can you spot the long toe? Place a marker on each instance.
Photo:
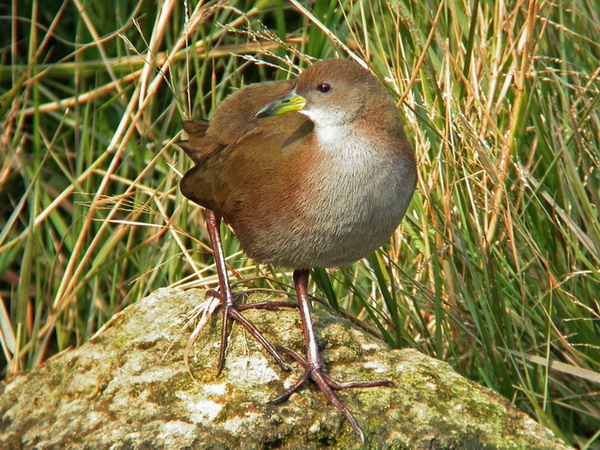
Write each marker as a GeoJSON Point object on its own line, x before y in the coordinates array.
{"type": "Point", "coordinates": [327, 386]}
{"type": "Point", "coordinates": [231, 313]}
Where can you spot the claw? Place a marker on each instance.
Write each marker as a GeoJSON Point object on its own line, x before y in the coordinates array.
{"type": "Point", "coordinates": [312, 364]}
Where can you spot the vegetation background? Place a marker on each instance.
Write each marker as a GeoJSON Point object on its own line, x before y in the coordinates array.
{"type": "Point", "coordinates": [496, 267]}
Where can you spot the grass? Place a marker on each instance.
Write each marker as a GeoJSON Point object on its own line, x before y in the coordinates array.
{"type": "Point", "coordinates": [494, 269]}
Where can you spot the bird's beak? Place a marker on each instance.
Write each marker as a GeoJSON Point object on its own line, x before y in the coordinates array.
{"type": "Point", "coordinates": [286, 103]}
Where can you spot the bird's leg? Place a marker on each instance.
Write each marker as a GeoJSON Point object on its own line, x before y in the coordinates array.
{"type": "Point", "coordinates": [230, 309]}
{"type": "Point", "coordinates": [312, 364]}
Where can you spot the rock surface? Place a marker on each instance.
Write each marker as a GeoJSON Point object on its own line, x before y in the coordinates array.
{"type": "Point", "coordinates": [129, 388]}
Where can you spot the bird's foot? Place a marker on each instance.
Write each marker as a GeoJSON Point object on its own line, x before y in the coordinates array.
{"type": "Point", "coordinates": [231, 311]}
{"type": "Point", "coordinates": [328, 385]}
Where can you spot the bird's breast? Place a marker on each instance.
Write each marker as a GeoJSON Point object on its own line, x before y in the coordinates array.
{"type": "Point", "coordinates": [347, 205]}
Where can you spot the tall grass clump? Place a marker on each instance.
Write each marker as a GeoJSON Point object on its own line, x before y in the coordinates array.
{"type": "Point", "coordinates": [495, 268]}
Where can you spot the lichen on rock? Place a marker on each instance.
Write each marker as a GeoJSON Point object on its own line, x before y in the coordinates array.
{"type": "Point", "coordinates": [129, 386]}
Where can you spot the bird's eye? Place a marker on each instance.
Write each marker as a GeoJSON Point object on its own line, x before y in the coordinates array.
{"type": "Point", "coordinates": [324, 88]}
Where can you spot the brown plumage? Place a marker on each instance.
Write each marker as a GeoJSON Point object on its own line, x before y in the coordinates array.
{"type": "Point", "coordinates": [232, 120]}
{"type": "Point", "coordinates": [309, 173]}
{"type": "Point", "coordinates": [265, 177]}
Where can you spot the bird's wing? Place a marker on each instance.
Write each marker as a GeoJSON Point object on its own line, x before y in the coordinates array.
{"type": "Point", "coordinates": [232, 120]}
{"type": "Point", "coordinates": [198, 146]}
{"type": "Point", "coordinates": [262, 161]}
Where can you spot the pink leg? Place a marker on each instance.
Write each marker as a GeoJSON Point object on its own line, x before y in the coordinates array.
{"type": "Point", "coordinates": [230, 309]}
{"type": "Point", "coordinates": [312, 364]}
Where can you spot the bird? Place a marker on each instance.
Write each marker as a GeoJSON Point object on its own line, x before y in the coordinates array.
{"type": "Point", "coordinates": [315, 172]}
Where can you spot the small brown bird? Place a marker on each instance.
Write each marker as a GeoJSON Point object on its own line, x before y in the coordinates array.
{"type": "Point", "coordinates": [310, 173]}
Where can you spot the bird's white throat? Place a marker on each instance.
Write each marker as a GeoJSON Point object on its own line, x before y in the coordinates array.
{"type": "Point", "coordinates": [341, 141]}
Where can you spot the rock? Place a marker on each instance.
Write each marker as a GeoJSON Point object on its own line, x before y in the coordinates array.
{"type": "Point", "coordinates": [129, 387]}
